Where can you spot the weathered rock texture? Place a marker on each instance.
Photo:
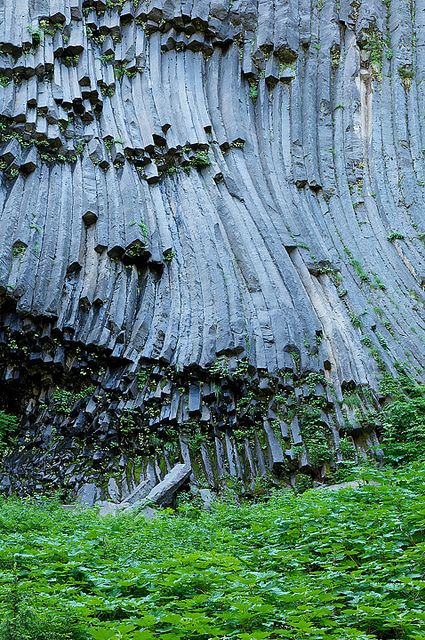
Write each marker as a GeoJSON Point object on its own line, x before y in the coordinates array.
{"type": "Point", "coordinates": [210, 234]}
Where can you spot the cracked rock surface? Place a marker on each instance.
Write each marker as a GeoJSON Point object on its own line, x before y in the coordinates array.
{"type": "Point", "coordinates": [212, 242]}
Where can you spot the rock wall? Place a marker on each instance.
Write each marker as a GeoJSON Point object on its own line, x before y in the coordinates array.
{"type": "Point", "coordinates": [211, 242]}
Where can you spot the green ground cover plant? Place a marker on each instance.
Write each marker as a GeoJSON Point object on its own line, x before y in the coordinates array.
{"type": "Point", "coordinates": [322, 565]}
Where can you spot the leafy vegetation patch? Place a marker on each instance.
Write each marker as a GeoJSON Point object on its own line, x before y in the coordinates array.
{"type": "Point", "coordinates": [323, 565]}
{"type": "Point", "coordinates": [200, 160]}
{"type": "Point", "coordinates": [402, 420]}
{"type": "Point", "coordinates": [65, 400]}
{"type": "Point", "coordinates": [9, 424]}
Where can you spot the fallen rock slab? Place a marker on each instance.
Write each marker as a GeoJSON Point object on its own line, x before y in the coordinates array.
{"type": "Point", "coordinates": [163, 493]}
{"type": "Point", "coordinates": [106, 507]}
{"type": "Point", "coordinates": [353, 484]}
{"type": "Point", "coordinates": [139, 493]}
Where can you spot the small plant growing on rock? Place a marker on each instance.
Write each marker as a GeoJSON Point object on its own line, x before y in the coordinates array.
{"type": "Point", "coordinates": [253, 90]}
{"type": "Point", "coordinates": [395, 235]}
{"type": "Point", "coordinates": [200, 160]}
{"type": "Point", "coordinates": [107, 57]}
{"type": "Point", "coordinates": [169, 255]}
{"type": "Point", "coordinates": [18, 249]}
{"type": "Point", "coordinates": [406, 74]}
{"type": "Point", "coordinates": [50, 29]}
{"type": "Point", "coordinates": [79, 146]}
{"type": "Point", "coordinates": [135, 251]}
{"type": "Point", "coordinates": [142, 378]}
{"type": "Point", "coordinates": [36, 35]}
{"type": "Point", "coordinates": [219, 369]}
{"type": "Point", "coordinates": [65, 400]}
{"type": "Point", "coordinates": [144, 229]}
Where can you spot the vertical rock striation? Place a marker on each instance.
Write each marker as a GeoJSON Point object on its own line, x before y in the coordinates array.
{"type": "Point", "coordinates": [211, 242]}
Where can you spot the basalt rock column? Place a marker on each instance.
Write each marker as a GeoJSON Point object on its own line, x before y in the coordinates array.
{"type": "Point", "coordinates": [211, 243]}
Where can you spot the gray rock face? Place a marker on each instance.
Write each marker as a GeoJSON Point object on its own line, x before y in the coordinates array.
{"type": "Point", "coordinates": [88, 494]}
{"type": "Point", "coordinates": [113, 490]}
{"type": "Point", "coordinates": [211, 223]}
{"type": "Point", "coordinates": [148, 513]}
{"type": "Point", "coordinates": [207, 498]}
{"type": "Point", "coordinates": [354, 484]}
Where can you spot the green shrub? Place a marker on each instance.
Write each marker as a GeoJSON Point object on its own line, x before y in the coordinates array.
{"type": "Point", "coordinates": [403, 420]}
{"type": "Point", "coordinates": [395, 235]}
{"type": "Point", "coordinates": [23, 622]}
{"type": "Point", "coordinates": [9, 424]}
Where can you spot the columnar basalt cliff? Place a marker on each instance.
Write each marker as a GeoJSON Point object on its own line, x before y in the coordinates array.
{"type": "Point", "coordinates": [211, 244]}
